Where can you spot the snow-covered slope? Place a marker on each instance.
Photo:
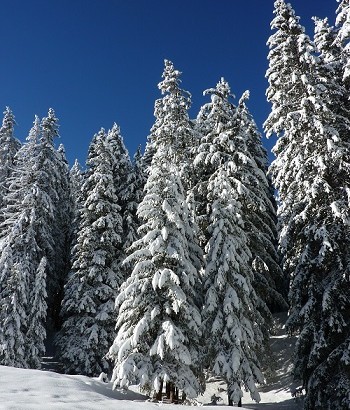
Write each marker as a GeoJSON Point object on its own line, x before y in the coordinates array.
{"type": "Point", "coordinates": [35, 389]}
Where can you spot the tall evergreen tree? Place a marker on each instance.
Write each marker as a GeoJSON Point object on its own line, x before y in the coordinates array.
{"type": "Point", "coordinates": [261, 220]}
{"type": "Point", "coordinates": [228, 173]}
{"type": "Point", "coordinates": [54, 180]}
{"type": "Point", "coordinates": [158, 336]}
{"type": "Point", "coordinates": [88, 305]}
{"type": "Point", "coordinates": [23, 286]}
{"type": "Point", "coordinates": [311, 173]}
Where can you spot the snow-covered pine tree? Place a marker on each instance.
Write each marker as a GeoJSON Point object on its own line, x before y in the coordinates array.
{"type": "Point", "coordinates": [23, 287]}
{"type": "Point", "coordinates": [123, 183]}
{"type": "Point", "coordinates": [311, 173]}
{"type": "Point", "coordinates": [290, 57]}
{"type": "Point", "coordinates": [231, 320]}
{"type": "Point", "coordinates": [9, 145]}
{"type": "Point", "coordinates": [261, 220]}
{"type": "Point", "coordinates": [206, 127]}
{"type": "Point", "coordinates": [88, 304]}
{"type": "Point", "coordinates": [55, 181]}
{"type": "Point", "coordinates": [159, 320]}
{"type": "Point", "coordinates": [63, 231]}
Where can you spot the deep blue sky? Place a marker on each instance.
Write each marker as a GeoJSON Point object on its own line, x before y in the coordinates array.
{"type": "Point", "coordinates": [99, 61]}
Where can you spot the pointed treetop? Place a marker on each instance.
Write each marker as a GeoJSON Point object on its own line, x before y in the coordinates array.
{"type": "Point", "coordinates": [171, 82]}
{"type": "Point", "coordinates": [222, 90]}
{"type": "Point", "coordinates": [245, 97]}
{"type": "Point", "coordinates": [285, 15]}
{"type": "Point", "coordinates": [8, 121]}
{"type": "Point", "coordinates": [138, 157]}
{"type": "Point", "coordinates": [34, 133]}
{"type": "Point", "coordinates": [49, 126]}
{"type": "Point", "coordinates": [76, 165]}
{"type": "Point", "coordinates": [61, 149]}
{"type": "Point", "coordinates": [115, 128]}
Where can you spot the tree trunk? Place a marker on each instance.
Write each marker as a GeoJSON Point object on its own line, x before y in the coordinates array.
{"type": "Point", "coordinates": [176, 394]}
{"type": "Point", "coordinates": [230, 402]}
{"type": "Point", "coordinates": [172, 393]}
{"type": "Point", "coordinates": [167, 390]}
{"type": "Point", "coordinates": [160, 392]}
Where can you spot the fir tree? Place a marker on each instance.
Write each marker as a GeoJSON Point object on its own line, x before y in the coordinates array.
{"type": "Point", "coordinates": [261, 220]}
{"type": "Point", "coordinates": [23, 286]}
{"type": "Point", "coordinates": [158, 325]}
{"type": "Point", "coordinates": [88, 304]}
{"type": "Point", "coordinates": [54, 175]}
{"type": "Point", "coordinates": [228, 173]}
{"type": "Point", "coordinates": [311, 173]}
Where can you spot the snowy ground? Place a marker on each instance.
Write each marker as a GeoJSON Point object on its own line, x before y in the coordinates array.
{"type": "Point", "coordinates": [35, 389]}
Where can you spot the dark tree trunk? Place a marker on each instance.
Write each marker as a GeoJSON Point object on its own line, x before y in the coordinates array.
{"type": "Point", "coordinates": [172, 393]}
{"type": "Point", "coordinates": [176, 394]}
{"type": "Point", "coordinates": [230, 402]}
{"type": "Point", "coordinates": [167, 390]}
{"type": "Point", "coordinates": [160, 392]}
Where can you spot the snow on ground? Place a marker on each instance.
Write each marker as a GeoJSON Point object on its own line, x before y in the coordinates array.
{"type": "Point", "coordinates": [22, 389]}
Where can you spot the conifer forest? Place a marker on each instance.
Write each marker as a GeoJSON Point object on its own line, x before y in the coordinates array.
{"type": "Point", "coordinates": [164, 266]}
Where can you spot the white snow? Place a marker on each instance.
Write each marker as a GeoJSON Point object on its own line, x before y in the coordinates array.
{"type": "Point", "coordinates": [22, 389]}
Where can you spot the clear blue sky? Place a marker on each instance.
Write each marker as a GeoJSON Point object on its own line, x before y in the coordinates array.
{"type": "Point", "coordinates": [97, 62]}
